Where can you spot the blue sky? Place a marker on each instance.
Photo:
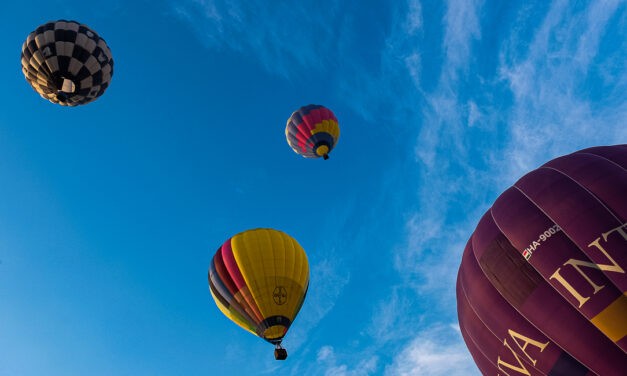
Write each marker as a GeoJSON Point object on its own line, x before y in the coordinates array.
{"type": "Point", "coordinates": [111, 212]}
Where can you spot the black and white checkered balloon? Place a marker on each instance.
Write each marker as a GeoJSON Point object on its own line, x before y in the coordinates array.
{"type": "Point", "coordinates": [67, 63]}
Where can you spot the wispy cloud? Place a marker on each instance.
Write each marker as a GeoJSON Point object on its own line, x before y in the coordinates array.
{"type": "Point", "coordinates": [432, 254]}
{"type": "Point", "coordinates": [554, 82]}
{"type": "Point", "coordinates": [391, 319]}
{"type": "Point", "coordinates": [330, 367]}
{"type": "Point", "coordinates": [445, 119]}
{"type": "Point", "coordinates": [437, 351]}
{"type": "Point", "coordinates": [385, 91]}
{"type": "Point", "coordinates": [326, 284]}
{"type": "Point", "coordinates": [462, 27]}
{"type": "Point", "coordinates": [277, 35]}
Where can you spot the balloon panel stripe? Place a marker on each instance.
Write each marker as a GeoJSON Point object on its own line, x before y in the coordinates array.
{"type": "Point", "coordinates": [240, 290]}
{"type": "Point", "coordinates": [559, 249]}
{"type": "Point", "coordinates": [506, 269]}
{"type": "Point", "coordinates": [481, 361]}
{"type": "Point", "coordinates": [219, 285]}
{"type": "Point", "coordinates": [233, 315]}
{"type": "Point", "coordinates": [232, 299]}
{"type": "Point", "coordinates": [571, 206]}
{"type": "Point", "coordinates": [612, 320]}
{"type": "Point", "coordinates": [229, 302]}
{"type": "Point", "coordinates": [231, 265]}
{"type": "Point", "coordinates": [616, 154]}
{"type": "Point", "coordinates": [234, 296]}
{"type": "Point", "coordinates": [218, 293]}
{"type": "Point", "coordinates": [606, 180]}
{"type": "Point", "coordinates": [223, 273]}
{"type": "Point", "coordinates": [492, 347]}
{"type": "Point", "coordinates": [521, 222]}
{"type": "Point", "coordinates": [543, 305]}
{"type": "Point", "coordinates": [500, 317]}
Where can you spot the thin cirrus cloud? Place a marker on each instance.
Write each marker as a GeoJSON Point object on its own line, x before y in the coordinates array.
{"type": "Point", "coordinates": [279, 36]}
{"type": "Point", "coordinates": [434, 352]}
{"type": "Point", "coordinates": [435, 232]}
{"type": "Point", "coordinates": [366, 366]}
{"type": "Point", "coordinates": [441, 149]}
{"type": "Point", "coordinates": [326, 285]}
{"type": "Point", "coordinates": [566, 94]}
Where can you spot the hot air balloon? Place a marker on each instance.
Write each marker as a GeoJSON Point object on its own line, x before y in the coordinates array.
{"type": "Point", "coordinates": [312, 131]}
{"type": "Point", "coordinates": [259, 279]}
{"type": "Point", "coordinates": [542, 286]}
{"type": "Point", "coordinates": [67, 63]}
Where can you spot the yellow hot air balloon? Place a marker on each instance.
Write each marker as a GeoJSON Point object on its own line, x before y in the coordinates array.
{"type": "Point", "coordinates": [259, 279]}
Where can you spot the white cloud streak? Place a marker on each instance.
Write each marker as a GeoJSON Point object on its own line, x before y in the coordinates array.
{"type": "Point", "coordinates": [326, 284]}
{"type": "Point", "coordinates": [329, 364]}
{"type": "Point", "coordinates": [462, 27]}
{"type": "Point", "coordinates": [277, 35]}
{"type": "Point", "coordinates": [552, 113]}
{"type": "Point", "coordinates": [391, 320]}
{"type": "Point", "coordinates": [441, 149]}
{"type": "Point", "coordinates": [437, 351]}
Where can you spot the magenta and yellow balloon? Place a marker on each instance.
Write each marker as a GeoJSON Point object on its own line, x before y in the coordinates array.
{"type": "Point", "coordinates": [542, 285]}
{"type": "Point", "coordinates": [312, 131]}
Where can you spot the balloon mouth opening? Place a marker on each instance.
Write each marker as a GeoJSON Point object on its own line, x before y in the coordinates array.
{"type": "Point", "coordinates": [67, 88]}
{"type": "Point", "coordinates": [274, 334]}
{"type": "Point", "coordinates": [276, 342]}
{"type": "Point", "coordinates": [323, 151]}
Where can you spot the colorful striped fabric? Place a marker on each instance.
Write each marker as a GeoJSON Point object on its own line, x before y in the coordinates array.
{"type": "Point", "coordinates": [259, 279]}
{"type": "Point", "coordinates": [312, 131]}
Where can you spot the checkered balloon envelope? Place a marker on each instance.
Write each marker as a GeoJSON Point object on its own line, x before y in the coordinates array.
{"type": "Point", "coordinates": [67, 63]}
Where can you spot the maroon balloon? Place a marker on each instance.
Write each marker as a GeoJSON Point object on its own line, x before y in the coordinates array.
{"type": "Point", "coordinates": [542, 286]}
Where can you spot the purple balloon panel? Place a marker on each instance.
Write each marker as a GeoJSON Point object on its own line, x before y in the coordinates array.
{"type": "Point", "coordinates": [542, 286]}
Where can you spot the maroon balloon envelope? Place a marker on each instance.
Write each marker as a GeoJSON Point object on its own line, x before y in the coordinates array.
{"type": "Point", "coordinates": [542, 286]}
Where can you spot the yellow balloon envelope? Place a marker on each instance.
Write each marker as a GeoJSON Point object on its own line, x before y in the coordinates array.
{"type": "Point", "coordinates": [259, 279]}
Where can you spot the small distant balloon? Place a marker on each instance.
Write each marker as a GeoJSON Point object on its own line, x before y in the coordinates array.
{"type": "Point", "coordinates": [67, 63]}
{"type": "Point", "coordinates": [542, 286]}
{"type": "Point", "coordinates": [259, 279]}
{"type": "Point", "coordinates": [312, 131]}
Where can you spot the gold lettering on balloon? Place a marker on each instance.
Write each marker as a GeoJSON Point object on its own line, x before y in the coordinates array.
{"type": "Point", "coordinates": [522, 342]}
{"type": "Point", "coordinates": [578, 264]}
{"type": "Point", "coordinates": [517, 337]}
